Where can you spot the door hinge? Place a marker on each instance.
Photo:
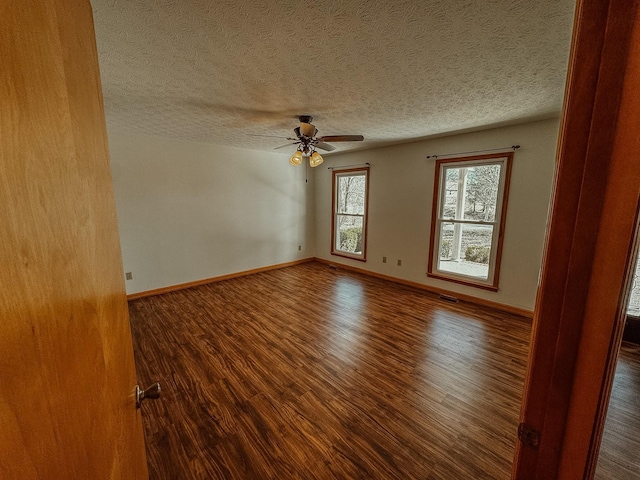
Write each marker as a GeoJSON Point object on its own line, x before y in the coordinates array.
{"type": "Point", "coordinates": [529, 436]}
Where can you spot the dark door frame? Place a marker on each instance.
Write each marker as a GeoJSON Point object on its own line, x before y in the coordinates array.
{"type": "Point", "coordinates": [580, 307]}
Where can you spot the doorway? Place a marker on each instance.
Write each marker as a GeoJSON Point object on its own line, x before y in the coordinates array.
{"type": "Point", "coordinates": [618, 457]}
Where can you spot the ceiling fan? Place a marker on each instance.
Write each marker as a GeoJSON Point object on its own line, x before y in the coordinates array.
{"type": "Point", "coordinates": [308, 142]}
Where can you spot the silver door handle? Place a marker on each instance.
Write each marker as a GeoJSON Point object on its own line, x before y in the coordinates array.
{"type": "Point", "coordinates": [152, 392]}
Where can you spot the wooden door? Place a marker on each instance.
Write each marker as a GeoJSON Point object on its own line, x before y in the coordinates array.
{"type": "Point", "coordinates": [590, 246]}
{"type": "Point", "coordinates": [67, 376]}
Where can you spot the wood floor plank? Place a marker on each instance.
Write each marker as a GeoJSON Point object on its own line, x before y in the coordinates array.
{"type": "Point", "coordinates": [620, 449]}
{"type": "Point", "coordinates": [315, 373]}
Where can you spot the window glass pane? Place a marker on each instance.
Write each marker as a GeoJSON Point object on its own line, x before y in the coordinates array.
{"type": "Point", "coordinates": [450, 193]}
{"type": "Point", "coordinates": [634, 296]}
{"type": "Point", "coordinates": [465, 249]}
{"type": "Point", "coordinates": [349, 216]}
{"type": "Point", "coordinates": [481, 192]}
{"type": "Point", "coordinates": [467, 213]}
{"type": "Point", "coordinates": [351, 194]}
{"type": "Point", "coordinates": [471, 193]}
{"type": "Point", "coordinates": [349, 234]}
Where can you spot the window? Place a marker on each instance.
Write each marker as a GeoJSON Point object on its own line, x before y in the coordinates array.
{"type": "Point", "coordinates": [469, 210]}
{"type": "Point", "coordinates": [633, 308]}
{"type": "Point", "coordinates": [349, 226]}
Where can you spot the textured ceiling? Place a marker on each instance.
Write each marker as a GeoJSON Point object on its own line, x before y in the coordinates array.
{"type": "Point", "coordinates": [228, 72]}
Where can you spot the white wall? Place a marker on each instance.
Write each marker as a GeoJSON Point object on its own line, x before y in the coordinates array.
{"type": "Point", "coordinates": [190, 211]}
{"type": "Point", "coordinates": [401, 196]}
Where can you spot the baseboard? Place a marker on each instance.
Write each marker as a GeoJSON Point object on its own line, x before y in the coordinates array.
{"type": "Point", "coordinates": [182, 286]}
{"type": "Point", "coordinates": [460, 296]}
{"type": "Point", "coordinates": [439, 291]}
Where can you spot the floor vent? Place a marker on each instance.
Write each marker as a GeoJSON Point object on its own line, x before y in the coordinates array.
{"type": "Point", "coordinates": [449, 298]}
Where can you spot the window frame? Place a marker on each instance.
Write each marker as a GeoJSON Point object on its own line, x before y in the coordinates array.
{"type": "Point", "coordinates": [336, 173]}
{"type": "Point", "coordinates": [499, 223]}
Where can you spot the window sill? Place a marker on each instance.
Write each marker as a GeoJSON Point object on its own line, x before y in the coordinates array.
{"type": "Point", "coordinates": [346, 255]}
{"type": "Point", "coordinates": [464, 281]}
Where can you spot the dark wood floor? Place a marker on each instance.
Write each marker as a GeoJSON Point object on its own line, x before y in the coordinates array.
{"type": "Point", "coordinates": [315, 373]}
{"type": "Point", "coordinates": [620, 449]}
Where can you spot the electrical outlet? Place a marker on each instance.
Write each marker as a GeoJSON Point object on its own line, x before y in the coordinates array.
{"type": "Point", "coordinates": [299, 247]}
{"type": "Point", "coordinates": [399, 263]}
{"type": "Point", "coordinates": [384, 259]}
{"type": "Point", "coordinates": [129, 275]}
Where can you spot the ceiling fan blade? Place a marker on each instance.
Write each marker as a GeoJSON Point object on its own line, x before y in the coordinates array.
{"type": "Point", "coordinates": [341, 138]}
{"type": "Point", "coordinates": [274, 136]}
{"type": "Point", "coordinates": [325, 146]}
{"type": "Point", "coordinates": [270, 136]}
{"type": "Point", "coordinates": [286, 145]}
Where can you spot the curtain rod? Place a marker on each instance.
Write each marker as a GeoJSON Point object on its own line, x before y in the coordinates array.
{"type": "Point", "coordinates": [512, 147]}
{"type": "Point", "coordinates": [349, 166]}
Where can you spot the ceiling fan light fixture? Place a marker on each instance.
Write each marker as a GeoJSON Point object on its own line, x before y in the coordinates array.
{"type": "Point", "coordinates": [296, 158]}
{"type": "Point", "coordinates": [307, 129]}
{"type": "Point", "coordinates": [308, 141]}
{"type": "Point", "coordinates": [315, 159]}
